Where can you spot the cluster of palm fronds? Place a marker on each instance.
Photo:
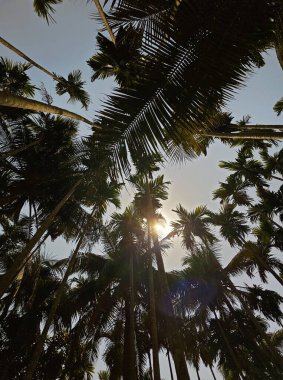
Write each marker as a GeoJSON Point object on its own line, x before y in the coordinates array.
{"type": "Point", "coordinates": [55, 313]}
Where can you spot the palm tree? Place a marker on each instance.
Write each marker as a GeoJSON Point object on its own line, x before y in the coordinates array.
{"type": "Point", "coordinates": [105, 194]}
{"type": "Point", "coordinates": [21, 324]}
{"type": "Point", "coordinates": [234, 239]}
{"type": "Point", "coordinates": [73, 86]}
{"type": "Point", "coordinates": [127, 227]}
{"type": "Point", "coordinates": [207, 289]}
{"type": "Point", "coordinates": [253, 255]}
{"type": "Point", "coordinates": [120, 59]}
{"type": "Point", "coordinates": [148, 196]}
{"type": "Point", "coordinates": [156, 101]}
{"type": "Point", "coordinates": [24, 256]}
{"type": "Point", "coordinates": [193, 226]}
{"type": "Point", "coordinates": [232, 224]}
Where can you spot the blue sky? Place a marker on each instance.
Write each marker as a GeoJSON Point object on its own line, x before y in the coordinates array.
{"type": "Point", "coordinates": [68, 43]}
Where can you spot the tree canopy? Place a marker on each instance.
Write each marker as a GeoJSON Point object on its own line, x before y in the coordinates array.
{"type": "Point", "coordinates": [176, 64]}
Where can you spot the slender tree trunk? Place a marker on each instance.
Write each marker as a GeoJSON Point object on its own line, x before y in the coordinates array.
{"type": "Point", "coordinates": [10, 100]}
{"type": "Point", "coordinates": [32, 62]}
{"type": "Point", "coordinates": [279, 32]}
{"type": "Point", "coordinates": [150, 365]}
{"type": "Point", "coordinates": [175, 342]}
{"type": "Point", "coordinates": [229, 347]}
{"type": "Point", "coordinates": [20, 260]}
{"type": "Point", "coordinates": [19, 150]}
{"type": "Point", "coordinates": [59, 293]}
{"type": "Point", "coordinates": [130, 368]}
{"type": "Point", "coordinates": [152, 313]}
{"type": "Point", "coordinates": [197, 371]}
{"type": "Point", "coordinates": [104, 19]}
{"type": "Point", "coordinates": [170, 365]}
{"type": "Point", "coordinates": [279, 53]}
{"type": "Point", "coordinates": [256, 127]}
{"type": "Point", "coordinates": [252, 135]}
{"type": "Point", "coordinates": [212, 372]}
{"type": "Point", "coordinates": [127, 359]}
{"type": "Point", "coordinates": [133, 364]}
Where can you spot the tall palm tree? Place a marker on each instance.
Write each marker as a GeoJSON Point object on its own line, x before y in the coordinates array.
{"type": "Point", "coordinates": [127, 227]}
{"type": "Point", "coordinates": [233, 289]}
{"type": "Point", "coordinates": [73, 86]}
{"type": "Point", "coordinates": [207, 290]}
{"type": "Point", "coordinates": [149, 194]}
{"type": "Point", "coordinates": [105, 193]}
{"type": "Point", "coordinates": [22, 257]}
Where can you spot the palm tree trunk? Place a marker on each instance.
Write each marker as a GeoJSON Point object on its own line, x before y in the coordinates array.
{"type": "Point", "coordinates": [133, 364]}
{"type": "Point", "coordinates": [229, 347]}
{"type": "Point", "coordinates": [8, 277]}
{"type": "Point", "coordinates": [150, 365]}
{"type": "Point", "coordinates": [256, 127]}
{"type": "Point", "coordinates": [104, 19]}
{"type": "Point", "coordinates": [19, 150]}
{"type": "Point", "coordinates": [175, 342]}
{"type": "Point", "coordinates": [59, 293]}
{"type": "Point", "coordinates": [279, 32]}
{"type": "Point", "coordinates": [197, 371]}
{"type": "Point", "coordinates": [10, 100]}
{"type": "Point", "coordinates": [170, 365]}
{"type": "Point", "coordinates": [152, 313]}
{"type": "Point", "coordinates": [252, 135]}
{"type": "Point", "coordinates": [32, 62]}
{"type": "Point", "coordinates": [212, 372]}
{"type": "Point", "coordinates": [130, 368]}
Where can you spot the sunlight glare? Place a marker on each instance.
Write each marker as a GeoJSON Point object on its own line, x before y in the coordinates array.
{"type": "Point", "coordinates": [162, 229]}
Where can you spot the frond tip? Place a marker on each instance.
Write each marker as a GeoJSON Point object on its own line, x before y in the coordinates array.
{"type": "Point", "coordinates": [278, 107]}
{"type": "Point", "coordinates": [44, 8]}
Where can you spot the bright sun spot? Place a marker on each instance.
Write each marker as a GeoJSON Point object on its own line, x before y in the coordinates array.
{"type": "Point", "coordinates": [162, 229]}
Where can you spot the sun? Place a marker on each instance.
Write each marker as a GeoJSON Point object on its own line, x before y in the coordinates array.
{"type": "Point", "coordinates": [162, 229]}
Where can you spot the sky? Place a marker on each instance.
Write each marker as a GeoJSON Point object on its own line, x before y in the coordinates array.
{"type": "Point", "coordinates": [66, 45]}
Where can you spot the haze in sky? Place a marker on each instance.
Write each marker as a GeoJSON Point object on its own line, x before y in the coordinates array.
{"type": "Point", "coordinates": [66, 45]}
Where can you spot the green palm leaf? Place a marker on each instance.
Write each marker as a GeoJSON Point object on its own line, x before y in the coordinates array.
{"type": "Point", "coordinates": [44, 8]}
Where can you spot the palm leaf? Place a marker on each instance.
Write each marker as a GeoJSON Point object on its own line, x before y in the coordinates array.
{"type": "Point", "coordinates": [184, 78]}
{"type": "Point", "coordinates": [44, 8]}
{"type": "Point", "coordinates": [74, 87]}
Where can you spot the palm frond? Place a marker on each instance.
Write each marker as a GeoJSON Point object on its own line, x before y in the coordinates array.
{"type": "Point", "coordinates": [44, 8]}
{"type": "Point", "coordinates": [74, 87]}
{"type": "Point", "coordinates": [278, 107]}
